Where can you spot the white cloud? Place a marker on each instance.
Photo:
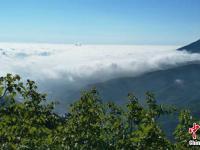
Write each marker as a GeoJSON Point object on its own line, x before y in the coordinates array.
{"type": "Point", "coordinates": [179, 81]}
{"type": "Point", "coordinates": [87, 64]}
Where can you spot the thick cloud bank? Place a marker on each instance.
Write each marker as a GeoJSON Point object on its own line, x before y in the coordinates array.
{"type": "Point", "coordinates": [63, 70]}
{"type": "Point", "coordinates": [87, 63]}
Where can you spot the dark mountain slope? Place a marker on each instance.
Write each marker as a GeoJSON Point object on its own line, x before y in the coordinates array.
{"type": "Point", "coordinates": [193, 47]}
{"type": "Point", "coordinates": [178, 86]}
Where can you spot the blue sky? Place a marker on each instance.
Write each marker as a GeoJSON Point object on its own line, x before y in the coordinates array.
{"type": "Point", "coordinates": [100, 21]}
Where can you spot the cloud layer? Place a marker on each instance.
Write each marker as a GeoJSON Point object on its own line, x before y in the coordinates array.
{"type": "Point", "coordinates": [62, 70]}
{"type": "Point", "coordinates": [87, 63]}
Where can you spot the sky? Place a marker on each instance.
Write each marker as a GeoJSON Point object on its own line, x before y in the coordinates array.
{"type": "Point", "coordinates": [157, 22]}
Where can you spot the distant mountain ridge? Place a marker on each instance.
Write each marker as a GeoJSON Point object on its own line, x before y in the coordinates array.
{"type": "Point", "coordinates": [193, 47]}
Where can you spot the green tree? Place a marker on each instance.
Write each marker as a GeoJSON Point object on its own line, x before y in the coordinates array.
{"type": "Point", "coordinates": [27, 121]}
{"type": "Point", "coordinates": [28, 124]}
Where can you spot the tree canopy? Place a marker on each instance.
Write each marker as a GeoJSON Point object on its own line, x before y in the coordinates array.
{"type": "Point", "coordinates": [28, 121]}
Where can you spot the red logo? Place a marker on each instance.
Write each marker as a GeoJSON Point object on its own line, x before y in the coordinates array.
{"type": "Point", "coordinates": [193, 130]}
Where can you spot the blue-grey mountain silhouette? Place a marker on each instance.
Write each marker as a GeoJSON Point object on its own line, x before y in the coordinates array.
{"type": "Point", "coordinates": [193, 47]}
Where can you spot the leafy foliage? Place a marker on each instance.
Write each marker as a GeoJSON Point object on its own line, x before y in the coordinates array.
{"type": "Point", "coordinates": [28, 122]}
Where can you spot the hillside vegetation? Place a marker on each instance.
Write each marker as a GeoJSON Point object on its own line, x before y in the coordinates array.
{"type": "Point", "coordinates": [89, 124]}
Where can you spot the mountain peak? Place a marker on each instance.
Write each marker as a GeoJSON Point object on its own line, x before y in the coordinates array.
{"type": "Point", "coordinates": [193, 47]}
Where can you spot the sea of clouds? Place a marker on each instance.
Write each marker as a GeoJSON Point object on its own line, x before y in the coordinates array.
{"type": "Point", "coordinates": [74, 66]}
